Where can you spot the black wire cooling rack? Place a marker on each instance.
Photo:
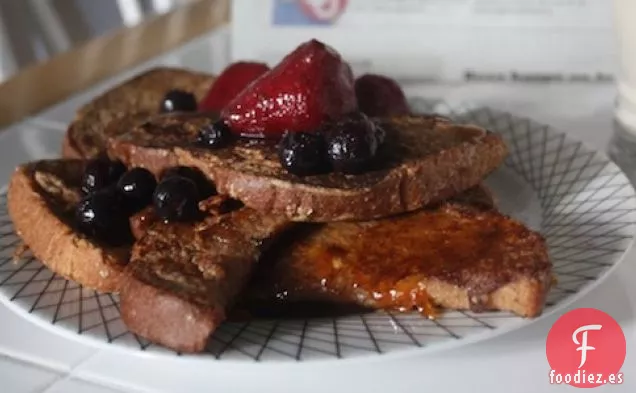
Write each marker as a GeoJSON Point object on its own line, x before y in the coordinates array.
{"type": "Point", "coordinates": [586, 211]}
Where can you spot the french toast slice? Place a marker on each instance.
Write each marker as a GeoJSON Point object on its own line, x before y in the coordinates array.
{"type": "Point", "coordinates": [461, 255]}
{"type": "Point", "coordinates": [41, 199]}
{"type": "Point", "coordinates": [425, 159]}
{"type": "Point", "coordinates": [137, 97]}
{"type": "Point", "coordinates": [183, 277]}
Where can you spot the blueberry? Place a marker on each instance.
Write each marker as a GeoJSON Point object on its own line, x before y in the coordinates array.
{"type": "Point", "coordinates": [352, 144]}
{"type": "Point", "coordinates": [303, 154]}
{"type": "Point", "coordinates": [205, 187]}
{"type": "Point", "coordinates": [176, 199]}
{"type": "Point", "coordinates": [178, 101]}
{"type": "Point", "coordinates": [102, 216]}
{"type": "Point", "coordinates": [214, 135]}
{"type": "Point", "coordinates": [137, 186]}
{"type": "Point", "coordinates": [101, 173]}
{"type": "Point", "coordinates": [360, 120]}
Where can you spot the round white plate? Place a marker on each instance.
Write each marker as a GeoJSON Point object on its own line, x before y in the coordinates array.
{"type": "Point", "coordinates": [576, 197]}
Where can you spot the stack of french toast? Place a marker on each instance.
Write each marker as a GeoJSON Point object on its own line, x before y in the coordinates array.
{"type": "Point", "coordinates": [197, 197]}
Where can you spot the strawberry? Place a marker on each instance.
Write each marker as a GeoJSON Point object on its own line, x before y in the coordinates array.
{"type": "Point", "coordinates": [232, 81]}
{"type": "Point", "coordinates": [380, 96]}
{"type": "Point", "coordinates": [309, 86]}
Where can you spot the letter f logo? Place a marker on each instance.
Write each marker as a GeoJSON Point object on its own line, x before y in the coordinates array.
{"type": "Point", "coordinates": [584, 347]}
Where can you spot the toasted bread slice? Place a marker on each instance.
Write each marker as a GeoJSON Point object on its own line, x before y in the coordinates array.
{"type": "Point", "coordinates": [425, 159]}
{"type": "Point", "coordinates": [139, 96]}
{"type": "Point", "coordinates": [41, 199]}
{"type": "Point", "coordinates": [460, 255]}
{"type": "Point", "coordinates": [183, 277]}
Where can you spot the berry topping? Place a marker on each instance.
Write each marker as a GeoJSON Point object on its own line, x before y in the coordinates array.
{"type": "Point", "coordinates": [311, 85]}
{"type": "Point", "coordinates": [380, 96]}
{"type": "Point", "coordinates": [230, 83]}
{"type": "Point", "coordinates": [380, 134]}
{"type": "Point", "coordinates": [176, 199]}
{"type": "Point", "coordinates": [101, 173]}
{"type": "Point", "coordinates": [303, 154]}
{"type": "Point", "coordinates": [101, 216]}
{"type": "Point", "coordinates": [361, 121]}
{"type": "Point", "coordinates": [205, 188]}
{"type": "Point", "coordinates": [137, 186]}
{"type": "Point", "coordinates": [178, 101]}
{"type": "Point", "coordinates": [352, 144]}
{"type": "Point", "coordinates": [214, 135]}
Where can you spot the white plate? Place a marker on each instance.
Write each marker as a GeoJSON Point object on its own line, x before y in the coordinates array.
{"type": "Point", "coordinates": [576, 197]}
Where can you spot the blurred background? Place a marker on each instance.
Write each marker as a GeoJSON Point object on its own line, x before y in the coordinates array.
{"type": "Point", "coordinates": [434, 40]}
{"type": "Point", "coordinates": [32, 31]}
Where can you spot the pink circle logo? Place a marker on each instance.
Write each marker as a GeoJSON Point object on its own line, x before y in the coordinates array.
{"type": "Point", "coordinates": [323, 10]}
{"type": "Point", "coordinates": [586, 348]}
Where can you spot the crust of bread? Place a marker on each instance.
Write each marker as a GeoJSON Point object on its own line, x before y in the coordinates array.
{"type": "Point", "coordinates": [524, 297]}
{"type": "Point", "coordinates": [54, 242]}
{"type": "Point", "coordinates": [166, 319]}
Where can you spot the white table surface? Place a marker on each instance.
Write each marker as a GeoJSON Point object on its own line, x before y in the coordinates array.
{"type": "Point", "coordinates": [35, 360]}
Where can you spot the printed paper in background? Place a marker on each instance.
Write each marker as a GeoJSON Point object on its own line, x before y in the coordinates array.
{"type": "Point", "coordinates": [441, 40]}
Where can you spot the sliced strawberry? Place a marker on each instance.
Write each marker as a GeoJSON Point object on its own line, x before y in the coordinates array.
{"type": "Point", "coordinates": [230, 83]}
{"type": "Point", "coordinates": [309, 86]}
{"type": "Point", "coordinates": [380, 96]}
